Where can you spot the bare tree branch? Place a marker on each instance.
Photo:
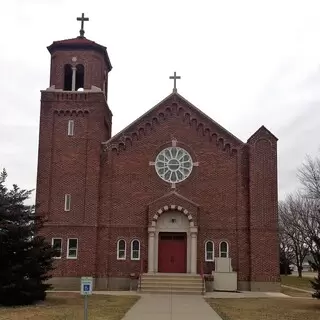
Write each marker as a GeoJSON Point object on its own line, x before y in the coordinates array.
{"type": "Point", "coordinates": [292, 234]}
{"type": "Point", "coordinates": [309, 176]}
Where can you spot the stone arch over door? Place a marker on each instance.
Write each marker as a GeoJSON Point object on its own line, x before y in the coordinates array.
{"type": "Point", "coordinates": [161, 223]}
{"type": "Point", "coordinates": [172, 207]}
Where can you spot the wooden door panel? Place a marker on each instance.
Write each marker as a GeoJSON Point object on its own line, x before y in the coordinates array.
{"type": "Point", "coordinates": [172, 253]}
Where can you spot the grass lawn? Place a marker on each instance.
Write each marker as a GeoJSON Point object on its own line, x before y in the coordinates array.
{"type": "Point", "coordinates": [294, 281]}
{"type": "Point", "coordinates": [65, 306]}
{"type": "Point", "coordinates": [266, 309]}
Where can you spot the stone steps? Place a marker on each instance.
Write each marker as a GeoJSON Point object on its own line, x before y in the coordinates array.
{"type": "Point", "coordinates": [167, 292]}
{"type": "Point", "coordinates": [171, 283]}
{"type": "Point", "coordinates": [176, 280]}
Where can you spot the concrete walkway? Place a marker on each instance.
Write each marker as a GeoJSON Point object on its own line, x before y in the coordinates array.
{"type": "Point", "coordinates": [297, 289]}
{"type": "Point", "coordinates": [167, 307]}
{"type": "Point", "coordinates": [245, 294]}
{"type": "Point", "coordinates": [215, 294]}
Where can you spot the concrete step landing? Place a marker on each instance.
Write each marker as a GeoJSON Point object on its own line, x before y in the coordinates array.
{"type": "Point", "coordinates": [175, 283]}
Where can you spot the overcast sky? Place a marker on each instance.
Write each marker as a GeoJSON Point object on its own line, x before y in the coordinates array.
{"type": "Point", "coordinates": [244, 63]}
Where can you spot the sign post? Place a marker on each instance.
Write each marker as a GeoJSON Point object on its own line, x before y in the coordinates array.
{"type": "Point", "coordinates": [86, 290]}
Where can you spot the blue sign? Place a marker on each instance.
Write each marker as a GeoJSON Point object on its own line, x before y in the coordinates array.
{"type": "Point", "coordinates": [86, 285]}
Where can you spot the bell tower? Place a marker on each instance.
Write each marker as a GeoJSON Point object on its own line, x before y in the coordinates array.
{"type": "Point", "coordinates": [74, 119]}
{"type": "Point", "coordinates": [79, 64]}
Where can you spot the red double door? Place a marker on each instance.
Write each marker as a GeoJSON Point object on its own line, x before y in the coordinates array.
{"type": "Point", "coordinates": [172, 252]}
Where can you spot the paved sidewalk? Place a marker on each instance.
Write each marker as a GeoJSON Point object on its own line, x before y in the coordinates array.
{"type": "Point", "coordinates": [245, 294]}
{"type": "Point", "coordinates": [297, 289]}
{"type": "Point", "coordinates": [215, 294]}
{"type": "Point", "coordinates": [167, 307]}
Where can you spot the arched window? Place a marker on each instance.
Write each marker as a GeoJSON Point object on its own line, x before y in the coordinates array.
{"type": "Point", "coordinates": [209, 251]}
{"type": "Point", "coordinates": [135, 250]}
{"type": "Point", "coordinates": [67, 77]}
{"type": "Point", "coordinates": [224, 249]}
{"type": "Point", "coordinates": [121, 250]}
{"type": "Point", "coordinates": [79, 77]}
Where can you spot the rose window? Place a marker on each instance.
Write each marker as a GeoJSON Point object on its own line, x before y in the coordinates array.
{"type": "Point", "coordinates": [173, 164]}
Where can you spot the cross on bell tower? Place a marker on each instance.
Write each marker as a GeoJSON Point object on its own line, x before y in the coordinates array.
{"type": "Point", "coordinates": [82, 19]}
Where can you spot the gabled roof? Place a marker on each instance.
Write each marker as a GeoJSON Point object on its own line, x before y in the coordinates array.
{"type": "Point", "coordinates": [175, 95]}
{"type": "Point", "coordinates": [262, 132]}
{"type": "Point", "coordinates": [80, 43]}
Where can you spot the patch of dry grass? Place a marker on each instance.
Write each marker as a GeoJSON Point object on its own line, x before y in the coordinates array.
{"type": "Point", "coordinates": [294, 281]}
{"type": "Point", "coordinates": [65, 306]}
{"type": "Point", "coordinates": [266, 309]}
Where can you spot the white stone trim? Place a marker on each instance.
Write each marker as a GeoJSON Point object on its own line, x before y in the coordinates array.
{"type": "Point", "coordinates": [131, 250]}
{"type": "Point", "coordinates": [76, 248]}
{"type": "Point", "coordinates": [153, 239]}
{"type": "Point", "coordinates": [173, 207]}
{"type": "Point", "coordinates": [70, 127]}
{"type": "Point", "coordinates": [193, 251]}
{"type": "Point", "coordinates": [125, 250]}
{"type": "Point", "coordinates": [61, 246]}
{"type": "Point", "coordinates": [205, 251]}
{"type": "Point", "coordinates": [151, 249]}
{"type": "Point", "coordinates": [73, 83]}
{"type": "Point", "coordinates": [67, 202]}
{"type": "Point", "coordinates": [228, 250]}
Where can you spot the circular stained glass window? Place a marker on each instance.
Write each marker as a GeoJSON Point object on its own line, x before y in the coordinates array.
{"type": "Point", "coordinates": [173, 164]}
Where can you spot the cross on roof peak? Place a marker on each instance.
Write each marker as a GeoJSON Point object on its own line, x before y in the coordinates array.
{"type": "Point", "coordinates": [82, 19]}
{"type": "Point", "coordinates": [175, 77]}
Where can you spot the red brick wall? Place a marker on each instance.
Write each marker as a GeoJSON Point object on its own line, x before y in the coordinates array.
{"type": "Point", "coordinates": [129, 184]}
{"type": "Point", "coordinates": [115, 192]}
{"type": "Point", "coordinates": [263, 207]}
{"type": "Point", "coordinates": [85, 264]}
{"type": "Point", "coordinates": [71, 165]}
{"type": "Point", "coordinates": [242, 244]}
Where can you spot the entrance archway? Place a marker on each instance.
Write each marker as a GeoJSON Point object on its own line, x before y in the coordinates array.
{"type": "Point", "coordinates": [172, 220]}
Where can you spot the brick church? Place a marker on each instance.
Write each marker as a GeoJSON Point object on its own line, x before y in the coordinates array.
{"type": "Point", "coordinates": [173, 193]}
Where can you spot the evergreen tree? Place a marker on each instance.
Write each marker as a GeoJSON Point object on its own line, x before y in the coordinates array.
{"type": "Point", "coordinates": [316, 266]}
{"type": "Point", "coordinates": [25, 257]}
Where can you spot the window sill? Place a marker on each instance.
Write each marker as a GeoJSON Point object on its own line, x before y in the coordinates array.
{"type": "Point", "coordinates": [72, 258]}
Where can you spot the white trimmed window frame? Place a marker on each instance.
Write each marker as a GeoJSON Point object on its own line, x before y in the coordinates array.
{"type": "Point", "coordinates": [52, 244]}
{"type": "Point", "coordinates": [220, 251]}
{"type": "Point", "coordinates": [67, 202]}
{"type": "Point", "coordinates": [207, 251]}
{"type": "Point", "coordinates": [72, 248]}
{"type": "Point", "coordinates": [132, 251]}
{"type": "Point", "coordinates": [70, 127]}
{"type": "Point", "coordinates": [122, 250]}
{"type": "Point", "coordinates": [173, 164]}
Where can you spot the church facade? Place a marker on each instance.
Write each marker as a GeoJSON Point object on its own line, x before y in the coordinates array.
{"type": "Point", "coordinates": [170, 193]}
